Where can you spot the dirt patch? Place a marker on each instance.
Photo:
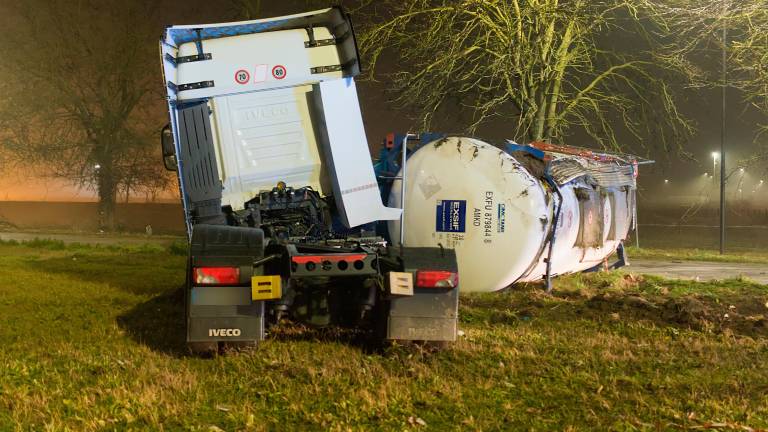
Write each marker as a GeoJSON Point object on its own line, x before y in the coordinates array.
{"type": "Point", "coordinates": [733, 306]}
{"type": "Point", "coordinates": [746, 315]}
{"type": "Point", "coordinates": [688, 311]}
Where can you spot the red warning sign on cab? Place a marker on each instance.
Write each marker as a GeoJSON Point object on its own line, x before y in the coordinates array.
{"type": "Point", "coordinates": [279, 72]}
{"type": "Point", "coordinates": [242, 76]}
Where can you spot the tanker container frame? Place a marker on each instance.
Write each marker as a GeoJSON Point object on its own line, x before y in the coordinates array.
{"type": "Point", "coordinates": [279, 193]}
{"type": "Point", "coordinates": [518, 213]}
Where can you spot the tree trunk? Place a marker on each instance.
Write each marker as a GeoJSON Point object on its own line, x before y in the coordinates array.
{"type": "Point", "coordinates": [541, 116]}
{"type": "Point", "coordinates": [107, 190]}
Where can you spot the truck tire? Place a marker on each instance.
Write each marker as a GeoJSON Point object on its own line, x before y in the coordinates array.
{"type": "Point", "coordinates": [241, 345]}
{"type": "Point", "coordinates": [203, 348]}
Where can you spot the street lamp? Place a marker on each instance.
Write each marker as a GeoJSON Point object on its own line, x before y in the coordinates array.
{"type": "Point", "coordinates": [723, 126]}
{"type": "Point", "coordinates": [715, 155]}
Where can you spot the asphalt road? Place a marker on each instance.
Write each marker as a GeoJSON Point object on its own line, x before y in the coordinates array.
{"type": "Point", "coordinates": [699, 270]}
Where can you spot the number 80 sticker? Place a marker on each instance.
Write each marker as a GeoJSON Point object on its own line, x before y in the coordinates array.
{"type": "Point", "coordinates": [279, 72]}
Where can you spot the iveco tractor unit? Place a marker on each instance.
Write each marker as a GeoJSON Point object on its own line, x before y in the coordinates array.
{"type": "Point", "coordinates": [282, 206]}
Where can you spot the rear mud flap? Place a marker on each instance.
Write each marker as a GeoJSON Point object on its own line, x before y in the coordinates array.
{"type": "Point", "coordinates": [428, 315]}
{"type": "Point", "coordinates": [226, 323]}
{"type": "Point", "coordinates": [225, 313]}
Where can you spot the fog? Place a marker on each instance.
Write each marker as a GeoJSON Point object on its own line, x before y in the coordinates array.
{"type": "Point", "coordinates": [681, 188]}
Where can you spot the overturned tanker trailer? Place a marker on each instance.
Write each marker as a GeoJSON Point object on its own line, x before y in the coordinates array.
{"type": "Point", "coordinates": [520, 214]}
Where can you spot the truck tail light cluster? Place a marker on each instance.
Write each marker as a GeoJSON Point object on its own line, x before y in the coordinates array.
{"type": "Point", "coordinates": [436, 279]}
{"type": "Point", "coordinates": [216, 275]}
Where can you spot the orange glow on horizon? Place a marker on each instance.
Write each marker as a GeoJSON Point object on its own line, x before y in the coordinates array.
{"type": "Point", "coordinates": [17, 186]}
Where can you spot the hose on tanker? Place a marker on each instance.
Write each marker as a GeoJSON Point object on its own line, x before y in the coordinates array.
{"type": "Point", "coordinates": [551, 239]}
{"type": "Point", "coordinates": [548, 243]}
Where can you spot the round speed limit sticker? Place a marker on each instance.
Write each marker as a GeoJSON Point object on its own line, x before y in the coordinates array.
{"type": "Point", "coordinates": [279, 72]}
{"type": "Point", "coordinates": [242, 76]}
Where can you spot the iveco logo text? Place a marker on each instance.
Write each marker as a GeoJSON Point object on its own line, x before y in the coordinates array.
{"type": "Point", "coordinates": [265, 113]}
{"type": "Point", "coordinates": [223, 332]}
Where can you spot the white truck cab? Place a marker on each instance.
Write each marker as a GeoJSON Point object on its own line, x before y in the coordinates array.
{"type": "Point", "coordinates": [283, 108]}
{"type": "Point", "coordinates": [279, 192]}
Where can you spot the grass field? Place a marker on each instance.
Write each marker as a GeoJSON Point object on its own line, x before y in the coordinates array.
{"type": "Point", "coordinates": [756, 257]}
{"type": "Point", "coordinates": [92, 340]}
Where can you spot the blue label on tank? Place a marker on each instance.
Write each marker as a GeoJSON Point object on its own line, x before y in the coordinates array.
{"type": "Point", "coordinates": [451, 216]}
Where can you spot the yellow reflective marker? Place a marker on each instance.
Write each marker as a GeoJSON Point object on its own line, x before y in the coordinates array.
{"type": "Point", "coordinates": [266, 287]}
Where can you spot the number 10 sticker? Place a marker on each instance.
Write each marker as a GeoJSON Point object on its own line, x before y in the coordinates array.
{"type": "Point", "coordinates": [279, 72]}
{"type": "Point", "coordinates": [242, 76]}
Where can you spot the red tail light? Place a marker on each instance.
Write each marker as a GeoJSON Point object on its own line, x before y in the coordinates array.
{"type": "Point", "coordinates": [436, 279]}
{"type": "Point", "coordinates": [216, 275]}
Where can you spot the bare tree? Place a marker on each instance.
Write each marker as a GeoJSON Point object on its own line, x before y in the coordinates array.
{"type": "Point", "coordinates": [549, 67]}
{"type": "Point", "coordinates": [698, 46]}
{"type": "Point", "coordinates": [139, 175]}
{"type": "Point", "coordinates": [749, 56]}
{"type": "Point", "coordinates": [247, 9]}
{"type": "Point", "coordinates": [78, 109]}
{"type": "Point", "coordinates": [252, 9]}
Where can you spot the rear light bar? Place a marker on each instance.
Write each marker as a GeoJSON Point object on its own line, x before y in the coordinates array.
{"type": "Point", "coordinates": [436, 279]}
{"type": "Point", "coordinates": [216, 275]}
{"type": "Point", "coordinates": [317, 259]}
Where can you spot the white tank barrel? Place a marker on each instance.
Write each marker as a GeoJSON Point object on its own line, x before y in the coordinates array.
{"type": "Point", "coordinates": [468, 195]}
{"type": "Point", "coordinates": [465, 194]}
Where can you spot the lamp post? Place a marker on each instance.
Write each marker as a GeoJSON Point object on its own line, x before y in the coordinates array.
{"type": "Point", "coordinates": [722, 131]}
{"type": "Point", "coordinates": [714, 165]}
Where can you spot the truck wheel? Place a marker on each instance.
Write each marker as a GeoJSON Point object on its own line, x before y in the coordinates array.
{"type": "Point", "coordinates": [203, 348]}
{"type": "Point", "coordinates": [241, 345]}
{"type": "Point", "coordinates": [435, 346]}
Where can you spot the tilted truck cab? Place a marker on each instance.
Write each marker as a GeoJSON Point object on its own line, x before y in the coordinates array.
{"type": "Point", "coordinates": [280, 197]}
